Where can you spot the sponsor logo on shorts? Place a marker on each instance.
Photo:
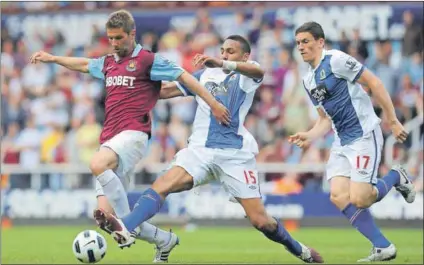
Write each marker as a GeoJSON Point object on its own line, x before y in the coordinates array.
{"type": "Point", "coordinates": [252, 187]}
{"type": "Point", "coordinates": [363, 172]}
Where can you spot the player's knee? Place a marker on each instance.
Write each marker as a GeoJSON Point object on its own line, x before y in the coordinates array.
{"type": "Point", "coordinates": [162, 186]}
{"type": "Point", "coordinates": [262, 223]}
{"type": "Point", "coordinates": [100, 164]}
{"type": "Point", "coordinates": [175, 180]}
{"type": "Point", "coordinates": [360, 201]}
{"type": "Point", "coordinates": [340, 199]}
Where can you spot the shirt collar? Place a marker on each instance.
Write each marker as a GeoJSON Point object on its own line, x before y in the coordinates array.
{"type": "Point", "coordinates": [137, 50]}
{"type": "Point", "coordinates": [324, 52]}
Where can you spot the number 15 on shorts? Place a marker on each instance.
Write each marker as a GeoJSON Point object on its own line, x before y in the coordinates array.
{"type": "Point", "coordinates": [250, 177]}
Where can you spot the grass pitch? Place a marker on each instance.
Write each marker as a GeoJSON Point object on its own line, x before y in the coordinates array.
{"type": "Point", "coordinates": [53, 245]}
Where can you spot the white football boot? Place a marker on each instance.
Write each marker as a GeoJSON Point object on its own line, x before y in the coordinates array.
{"type": "Point", "coordinates": [405, 187]}
{"type": "Point", "coordinates": [163, 252]}
{"type": "Point", "coordinates": [310, 255]}
{"type": "Point", "coordinates": [381, 254]}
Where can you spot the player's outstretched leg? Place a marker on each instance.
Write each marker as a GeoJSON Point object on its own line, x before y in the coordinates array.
{"type": "Point", "coordinates": [165, 241]}
{"type": "Point", "coordinates": [150, 202]}
{"type": "Point", "coordinates": [275, 231]}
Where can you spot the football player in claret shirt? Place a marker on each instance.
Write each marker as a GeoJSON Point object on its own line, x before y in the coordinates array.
{"type": "Point", "coordinates": [132, 78]}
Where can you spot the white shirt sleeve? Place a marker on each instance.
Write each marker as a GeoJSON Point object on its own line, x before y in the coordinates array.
{"type": "Point", "coordinates": [248, 84]}
{"type": "Point", "coordinates": [346, 66]}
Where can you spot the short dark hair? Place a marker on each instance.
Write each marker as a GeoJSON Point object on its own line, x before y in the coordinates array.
{"type": "Point", "coordinates": [121, 19]}
{"type": "Point", "coordinates": [312, 27]}
{"type": "Point", "coordinates": [245, 45]}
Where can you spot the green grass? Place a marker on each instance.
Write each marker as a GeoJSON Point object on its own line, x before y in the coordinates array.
{"type": "Point", "coordinates": [38, 244]}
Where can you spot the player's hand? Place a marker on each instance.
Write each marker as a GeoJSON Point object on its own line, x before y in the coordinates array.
{"type": "Point", "coordinates": [221, 113]}
{"type": "Point", "coordinates": [204, 60]}
{"type": "Point", "coordinates": [301, 139]}
{"type": "Point", "coordinates": [41, 56]}
{"type": "Point", "coordinates": [398, 131]}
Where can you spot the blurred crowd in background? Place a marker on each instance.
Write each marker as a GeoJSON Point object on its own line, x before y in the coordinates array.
{"type": "Point", "coordinates": [53, 115]}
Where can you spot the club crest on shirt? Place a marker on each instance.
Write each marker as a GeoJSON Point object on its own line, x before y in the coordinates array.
{"type": "Point", "coordinates": [131, 66]}
{"type": "Point", "coordinates": [322, 75]}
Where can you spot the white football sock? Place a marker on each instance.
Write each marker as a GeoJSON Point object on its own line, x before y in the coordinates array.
{"type": "Point", "coordinates": [115, 192]}
{"type": "Point", "coordinates": [117, 197]}
{"type": "Point", "coordinates": [153, 234]}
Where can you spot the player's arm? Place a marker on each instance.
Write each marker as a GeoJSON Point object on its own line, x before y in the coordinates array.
{"type": "Point", "coordinates": [79, 64]}
{"type": "Point", "coordinates": [249, 69]}
{"type": "Point", "coordinates": [321, 127]}
{"type": "Point", "coordinates": [196, 88]}
{"type": "Point", "coordinates": [72, 63]}
{"type": "Point", "coordinates": [165, 70]}
{"type": "Point", "coordinates": [353, 71]}
{"type": "Point", "coordinates": [380, 94]}
{"type": "Point", "coordinates": [170, 90]}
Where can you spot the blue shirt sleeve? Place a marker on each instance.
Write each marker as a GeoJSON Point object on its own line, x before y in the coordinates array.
{"type": "Point", "coordinates": [186, 91]}
{"type": "Point", "coordinates": [164, 70]}
{"type": "Point", "coordinates": [95, 67]}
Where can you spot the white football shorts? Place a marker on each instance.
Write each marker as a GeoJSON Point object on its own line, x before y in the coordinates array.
{"type": "Point", "coordinates": [234, 169]}
{"type": "Point", "coordinates": [358, 160]}
{"type": "Point", "coordinates": [130, 146]}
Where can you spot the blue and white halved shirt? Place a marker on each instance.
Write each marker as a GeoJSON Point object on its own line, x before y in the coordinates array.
{"type": "Point", "coordinates": [236, 92]}
{"type": "Point", "coordinates": [332, 86]}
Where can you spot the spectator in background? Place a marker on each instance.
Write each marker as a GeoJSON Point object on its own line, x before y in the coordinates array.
{"type": "Point", "coordinates": [19, 56]}
{"type": "Point", "coordinates": [268, 108]}
{"type": "Point", "coordinates": [242, 25]}
{"type": "Point", "coordinates": [7, 60]}
{"type": "Point", "coordinates": [295, 104]}
{"type": "Point", "coordinates": [162, 145]}
{"type": "Point", "coordinates": [407, 98]}
{"type": "Point", "coordinates": [9, 154]}
{"type": "Point", "coordinates": [344, 42]}
{"type": "Point", "coordinates": [382, 68]}
{"type": "Point", "coordinates": [13, 110]}
{"type": "Point", "coordinates": [87, 138]}
{"type": "Point", "coordinates": [283, 66]}
{"type": "Point", "coordinates": [415, 68]}
{"type": "Point", "coordinates": [359, 45]}
{"type": "Point", "coordinates": [413, 37]}
{"type": "Point", "coordinates": [28, 144]}
{"type": "Point", "coordinates": [149, 41]}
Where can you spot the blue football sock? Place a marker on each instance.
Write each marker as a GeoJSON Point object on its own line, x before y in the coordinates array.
{"type": "Point", "coordinates": [280, 235]}
{"type": "Point", "coordinates": [147, 206]}
{"type": "Point", "coordinates": [385, 184]}
{"type": "Point", "coordinates": [362, 220]}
